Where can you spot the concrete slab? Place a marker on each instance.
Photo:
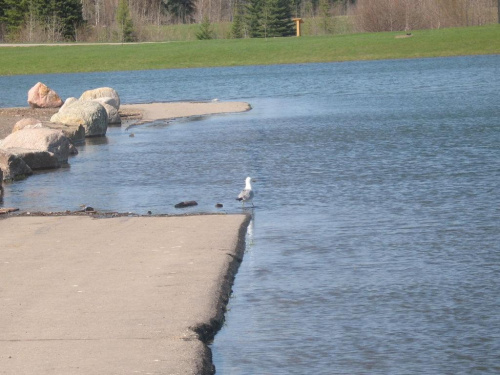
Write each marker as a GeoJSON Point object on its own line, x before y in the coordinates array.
{"type": "Point", "coordinates": [80, 295]}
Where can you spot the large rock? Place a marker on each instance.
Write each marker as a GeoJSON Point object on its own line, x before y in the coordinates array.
{"type": "Point", "coordinates": [91, 115]}
{"type": "Point", "coordinates": [113, 115]}
{"type": "Point", "coordinates": [111, 106]}
{"type": "Point", "coordinates": [41, 139]}
{"type": "Point", "coordinates": [68, 102]}
{"type": "Point", "coordinates": [108, 100]}
{"type": "Point", "coordinates": [27, 123]}
{"type": "Point", "coordinates": [40, 96]}
{"type": "Point", "coordinates": [13, 167]}
{"type": "Point", "coordinates": [76, 134]}
{"type": "Point", "coordinates": [36, 159]}
{"type": "Point", "coordinates": [101, 92]}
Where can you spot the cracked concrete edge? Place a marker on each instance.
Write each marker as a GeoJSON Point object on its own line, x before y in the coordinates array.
{"type": "Point", "coordinates": [206, 331]}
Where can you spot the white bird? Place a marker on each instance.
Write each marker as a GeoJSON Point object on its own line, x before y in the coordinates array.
{"type": "Point", "coordinates": [246, 194]}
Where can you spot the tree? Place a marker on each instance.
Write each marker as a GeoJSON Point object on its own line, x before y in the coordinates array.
{"type": "Point", "coordinates": [324, 7]}
{"type": "Point", "coordinates": [182, 9]}
{"type": "Point", "coordinates": [64, 15]}
{"type": "Point", "coordinates": [253, 18]}
{"type": "Point", "coordinates": [2, 19]}
{"type": "Point", "coordinates": [14, 12]}
{"type": "Point", "coordinates": [279, 22]}
{"type": "Point", "coordinates": [205, 31]}
{"type": "Point", "coordinates": [124, 22]}
{"type": "Point", "coordinates": [237, 27]}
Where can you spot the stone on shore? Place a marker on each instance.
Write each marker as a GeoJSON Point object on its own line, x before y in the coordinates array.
{"type": "Point", "coordinates": [36, 159]}
{"type": "Point", "coordinates": [91, 115]}
{"type": "Point", "coordinates": [111, 106]}
{"type": "Point", "coordinates": [28, 123]}
{"type": "Point", "coordinates": [41, 96]}
{"type": "Point", "coordinates": [186, 204]}
{"type": "Point", "coordinates": [68, 102]}
{"type": "Point", "coordinates": [101, 92]}
{"type": "Point", "coordinates": [13, 167]}
{"type": "Point", "coordinates": [108, 100]}
{"type": "Point", "coordinates": [40, 140]}
{"type": "Point", "coordinates": [75, 134]}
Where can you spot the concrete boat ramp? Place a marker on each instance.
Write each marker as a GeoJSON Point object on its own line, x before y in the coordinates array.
{"type": "Point", "coordinates": [123, 295]}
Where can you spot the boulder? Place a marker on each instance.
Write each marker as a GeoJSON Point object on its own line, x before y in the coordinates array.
{"type": "Point", "coordinates": [101, 92]}
{"type": "Point", "coordinates": [113, 115]}
{"type": "Point", "coordinates": [91, 115]}
{"type": "Point", "coordinates": [28, 122]}
{"type": "Point", "coordinates": [76, 134]}
{"type": "Point", "coordinates": [13, 167]}
{"type": "Point", "coordinates": [68, 102]}
{"type": "Point", "coordinates": [36, 159]}
{"type": "Point", "coordinates": [40, 96]}
{"type": "Point", "coordinates": [111, 106]}
{"type": "Point", "coordinates": [108, 100]}
{"type": "Point", "coordinates": [42, 139]}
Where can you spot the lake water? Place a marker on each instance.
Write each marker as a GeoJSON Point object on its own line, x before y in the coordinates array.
{"type": "Point", "coordinates": [375, 241]}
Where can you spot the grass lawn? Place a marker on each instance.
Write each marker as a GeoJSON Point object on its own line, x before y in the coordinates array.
{"type": "Point", "coordinates": [231, 52]}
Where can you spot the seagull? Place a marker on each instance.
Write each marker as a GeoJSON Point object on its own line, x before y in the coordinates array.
{"type": "Point", "coordinates": [247, 193]}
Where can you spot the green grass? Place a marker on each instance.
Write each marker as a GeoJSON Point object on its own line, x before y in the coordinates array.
{"type": "Point", "coordinates": [226, 52]}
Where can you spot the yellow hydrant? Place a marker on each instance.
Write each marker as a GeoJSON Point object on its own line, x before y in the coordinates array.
{"type": "Point", "coordinates": [298, 21]}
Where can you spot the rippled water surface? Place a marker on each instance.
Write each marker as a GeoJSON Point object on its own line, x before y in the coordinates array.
{"type": "Point", "coordinates": [375, 241]}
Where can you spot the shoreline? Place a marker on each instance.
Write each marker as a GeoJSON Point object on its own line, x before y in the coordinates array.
{"type": "Point", "coordinates": [136, 113]}
{"type": "Point", "coordinates": [142, 294]}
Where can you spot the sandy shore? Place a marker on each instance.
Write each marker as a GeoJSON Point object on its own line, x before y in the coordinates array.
{"type": "Point", "coordinates": [129, 112]}
{"type": "Point", "coordinates": [160, 111]}
{"type": "Point", "coordinates": [114, 296]}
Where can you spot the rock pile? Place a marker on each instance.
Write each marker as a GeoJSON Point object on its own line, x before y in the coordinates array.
{"type": "Point", "coordinates": [35, 144]}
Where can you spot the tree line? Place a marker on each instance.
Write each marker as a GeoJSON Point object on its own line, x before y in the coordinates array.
{"type": "Point", "coordinates": [149, 20]}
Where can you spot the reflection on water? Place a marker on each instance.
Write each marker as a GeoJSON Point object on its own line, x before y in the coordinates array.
{"type": "Point", "coordinates": [374, 244]}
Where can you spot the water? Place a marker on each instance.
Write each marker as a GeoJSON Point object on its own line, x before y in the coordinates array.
{"type": "Point", "coordinates": [375, 244]}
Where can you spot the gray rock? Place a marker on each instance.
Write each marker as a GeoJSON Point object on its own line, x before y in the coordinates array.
{"type": "Point", "coordinates": [68, 102]}
{"type": "Point", "coordinates": [28, 122]}
{"type": "Point", "coordinates": [186, 204]}
{"type": "Point", "coordinates": [13, 167]}
{"type": "Point", "coordinates": [113, 115]}
{"type": "Point", "coordinates": [91, 115]}
{"type": "Point", "coordinates": [42, 139]}
{"type": "Point", "coordinates": [75, 133]}
{"type": "Point", "coordinates": [36, 159]}
{"type": "Point", "coordinates": [108, 100]}
{"type": "Point", "coordinates": [101, 92]}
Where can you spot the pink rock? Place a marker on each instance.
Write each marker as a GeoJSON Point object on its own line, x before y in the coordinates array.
{"type": "Point", "coordinates": [40, 96]}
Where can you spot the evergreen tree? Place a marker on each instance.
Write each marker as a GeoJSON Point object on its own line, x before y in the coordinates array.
{"type": "Point", "coordinates": [253, 18]}
{"type": "Point", "coordinates": [279, 21]}
{"type": "Point", "coordinates": [71, 16]}
{"type": "Point", "coordinates": [205, 31]}
{"type": "Point", "coordinates": [67, 14]}
{"type": "Point", "coordinates": [237, 27]}
{"type": "Point", "coordinates": [182, 9]}
{"type": "Point", "coordinates": [326, 20]}
{"type": "Point", "coordinates": [14, 12]}
{"type": "Point", "coordinates": [125, 22]}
